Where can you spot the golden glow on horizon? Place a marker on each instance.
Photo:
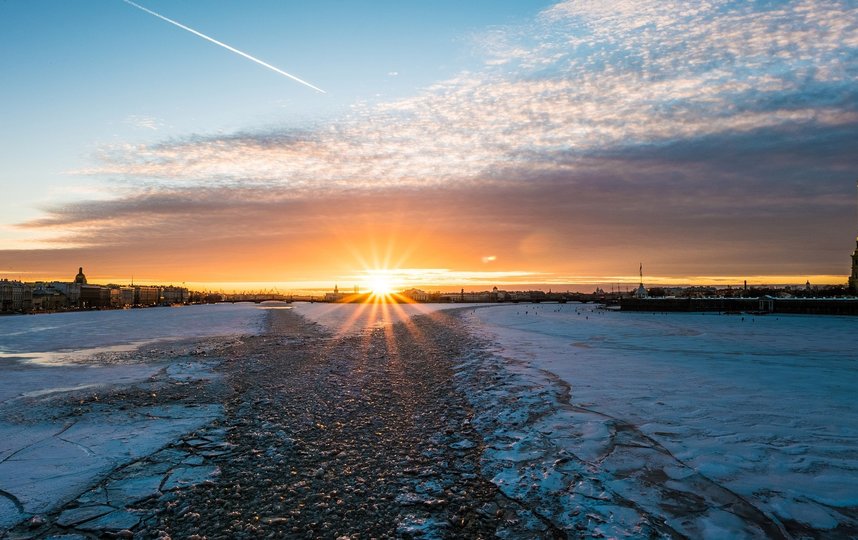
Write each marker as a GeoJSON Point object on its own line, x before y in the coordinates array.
{"type": "Point", "coordinates": [381, 285]}
{"type": "Point", "coordinates": [440, 280]}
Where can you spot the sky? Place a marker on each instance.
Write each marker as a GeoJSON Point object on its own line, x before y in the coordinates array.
{"type": "Point", "coordinates": [480, 143]}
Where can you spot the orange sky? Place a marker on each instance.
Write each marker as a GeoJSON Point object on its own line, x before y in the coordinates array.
{"type": "Point", "coordinates": [562, 148]}
{"type": "Point", "coordinates": [433, 241]}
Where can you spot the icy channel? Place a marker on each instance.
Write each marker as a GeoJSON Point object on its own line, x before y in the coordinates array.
{"type": "Point", "coordinates": [709, 405]}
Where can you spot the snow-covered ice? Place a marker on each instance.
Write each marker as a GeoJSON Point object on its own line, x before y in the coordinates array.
{"type": "Point", "coordinates": [605, 423]}
{"type": "Point", "coordinates": [742, 414]}
{"type": "Point", "coordinates": [63, 337]}
{"type": "Point", "coordinates": [354, 318]}
{"type": "Point", "coordinates": [48, 459]}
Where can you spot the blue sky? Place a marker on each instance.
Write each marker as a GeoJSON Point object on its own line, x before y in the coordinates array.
{"type": "Point", "coordinates": [559, 142]}
{"type": "Point", "coordinates": [82, 74]}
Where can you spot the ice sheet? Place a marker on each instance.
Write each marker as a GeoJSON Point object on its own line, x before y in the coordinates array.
{"type": "Point", "coordinates": [75, 335]}
{"type": "Point", "coordinates": [49, 455]}
{"type": "Point", "coordinates": [762, 406]}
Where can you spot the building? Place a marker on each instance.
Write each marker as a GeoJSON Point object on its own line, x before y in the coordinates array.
{"type": "Point", "coordinates": [80, 278]}
{"type": "Point", "coordinates": [47, 297]}
{"type": "Point", "coordinates": [94, 296]}
{"type": "Point", "coordinates": [126, 296]}
{"type": "Point", "coordinates": [70, 290]}
{"type": "Point", "coordinates": [115, 297]}
{"type": "Point", "coordinates": [853, 278]}
{"type": "Point", "coordinates": [417, 295]}
{"type": "Point", "coordinates": [175, 295]}
{"type": "Point", "coordinates": [468, 297]}
{"type": "Point", "coordinates": [335, 296]}
{"type": "Point", "coordinates": [15, 296]}
{"type": "Point", "coordinates": [147, 296]}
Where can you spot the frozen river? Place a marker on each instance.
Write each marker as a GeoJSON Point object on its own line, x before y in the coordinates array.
{"type": "Point", "coordinates": [716, 406]}
{"type": "Point", "coordinates": [46, 459]}
{"type": "Point", "coordinates": [50, 338]}
{"type": "Point", "coordinates": [764, 406]}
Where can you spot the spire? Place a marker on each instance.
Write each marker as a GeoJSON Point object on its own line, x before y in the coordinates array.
{"type": "Point", "coordinates": [641, 291]}
{"type": "Point", "coordinates": [853, 278]}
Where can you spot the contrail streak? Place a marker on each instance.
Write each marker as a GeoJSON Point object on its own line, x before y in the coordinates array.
{"type": "Point", "coordinates": [224, 45]}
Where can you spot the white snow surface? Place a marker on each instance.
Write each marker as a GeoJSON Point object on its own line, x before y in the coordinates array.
{"type": "Point", "coordinates": [764, 407]}
{"type": "Point", "coordinates": [58, 337]}
{"type": "Point", "coordinates": [46, 461]}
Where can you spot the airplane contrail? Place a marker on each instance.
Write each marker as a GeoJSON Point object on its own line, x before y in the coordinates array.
{"type": "Point", "coordinates": [224, 45]}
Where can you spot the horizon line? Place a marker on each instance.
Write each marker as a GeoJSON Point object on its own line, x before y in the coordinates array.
{"type": "Point", "coordinates": [565, 282]}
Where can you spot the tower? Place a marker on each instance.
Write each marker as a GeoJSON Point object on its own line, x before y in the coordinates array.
{"type": "Point", "coordinates": [641, 291]}
{"type": "Point", "coordinates": [853, 277]}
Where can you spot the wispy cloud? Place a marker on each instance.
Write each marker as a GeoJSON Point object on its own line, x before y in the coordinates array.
{"type": "Point", "coordinates": [639, 118]}
{"type": "Point", "coordinates": [142, 121]}
{"type": "Point", "coordinates": [603, 76]}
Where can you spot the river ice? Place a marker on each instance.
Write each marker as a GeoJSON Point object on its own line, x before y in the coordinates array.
{"type": "Point", "coordinates": [63, 337]}
{"type": "Point", "coordinates": [608, 424]}
{"type": "Point", "coordinates": [354, 318]}
{"type": "Point", "coordinates": [763, 407]}
{"type": "Point", "coordinates": [47, 460]}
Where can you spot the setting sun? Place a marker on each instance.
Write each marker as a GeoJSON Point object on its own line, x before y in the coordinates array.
{"type": "Point", "coordinates": [380, 285]}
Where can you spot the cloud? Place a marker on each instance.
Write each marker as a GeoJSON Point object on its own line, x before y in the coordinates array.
{"type": "Point", "coordinates": [603, 77]}
{"type": "Point", "coordinates": [144, 122]}
{"type": "Point", "coordinates": [596, 126]}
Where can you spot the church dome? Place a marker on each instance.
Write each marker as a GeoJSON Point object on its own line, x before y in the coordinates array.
{"type": "Point", "coordinates": [80, 278]}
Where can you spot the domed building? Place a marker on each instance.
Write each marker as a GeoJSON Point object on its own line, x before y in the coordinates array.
{"type": "Point", "coordinates": [80, 278]}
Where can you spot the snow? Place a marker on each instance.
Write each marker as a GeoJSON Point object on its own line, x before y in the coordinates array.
{"type": "Point", "coordinates": [64, 337]}
{"type": "Point", "coordinates": [47, 458]}
{"type": "Point", "coordinates": [605, 423]}
{"type": "Point", "coordinates": [763, 407]}
{"type": "Point", "coordinates": [354, 318]}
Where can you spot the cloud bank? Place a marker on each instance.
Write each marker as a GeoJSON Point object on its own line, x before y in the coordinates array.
{"type": "Point", "coordinates": [714, 136]}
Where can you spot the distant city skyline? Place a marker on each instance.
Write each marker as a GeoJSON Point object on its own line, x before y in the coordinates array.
{"type": "Point", "coordinates": [388, 282]}
{"type": "Point", "coordinates": [492, 143]}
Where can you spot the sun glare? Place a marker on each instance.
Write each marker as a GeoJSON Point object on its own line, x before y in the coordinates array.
{"type": "Point", "coordinates": [380, 285]}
